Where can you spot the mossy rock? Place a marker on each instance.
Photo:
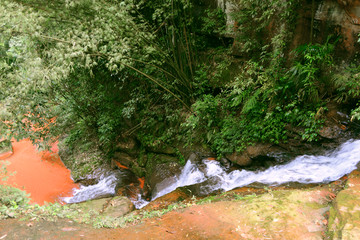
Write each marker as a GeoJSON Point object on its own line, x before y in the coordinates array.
{"type": "Point", "coordinates": [154, 160]}
{"type": "Point", "coordinates": [113, 207]}
{"type": "Point", "coordinates": [118, 207]}
{"type": "Point", "coordinates": [162, 149]}
{"type": "Point", "coordinates": [96, 206]}
{"type": "Point", "coordinates": [80, 162]}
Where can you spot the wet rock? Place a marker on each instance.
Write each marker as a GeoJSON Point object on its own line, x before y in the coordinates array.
{"type": "Point", "coordinates": [202, 189]}
{"type": "Point", "coordinates": [131, 191]}
{"type": "Point", "coordinates": [87, 182]}
{"type": "Point", "coordinates": [225, 163]}
{"type": "Point", "coordinates": [162, 202]}
{"type": "Point", "coordinates": [244, 158]}
{"type": "Point", "coordinates": [124, 158]}
{"type": "Point", "coordinates": [202, 151]}
{"type": "Point", "coordinates": [344, 220]}
{"type": "Point", "coordinates": [330, 132]}
{"type": "Point", "coordinates": [160, 186]}
{"type": "Point", "coordinates": [127, 145]}
{"type": "Point", "coordinates": [125, 178]}
{"type": "Point", "coordinates": [162, 149]}
{"type": "Point", "coordinates": [161, 167]}
{"type": "Point", "coordinates": [336, 122]}
{"type": "Point", "coordinates": [194, 158]}
{"type": "Point", "coordinates": [262, 163]}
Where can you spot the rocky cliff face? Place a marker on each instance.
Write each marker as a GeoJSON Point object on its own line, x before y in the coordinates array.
{"type": "Point", "coordinates": [341, 17]}
{"type": "Point", "coordinates": [331, 17]}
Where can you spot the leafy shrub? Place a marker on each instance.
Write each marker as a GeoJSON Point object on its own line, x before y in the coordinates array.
{"type": "Point", "coordinates": [5, 146]}
{"type": "Point", "coordinates": [12, 200]}
{"type": "Point", "coordinates": [347, 82]}
{"type": "Point", "coordinates": [310, 72]}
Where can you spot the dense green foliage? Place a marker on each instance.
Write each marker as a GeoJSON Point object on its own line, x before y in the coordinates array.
{"type": "Point", "coordinates": [12, 200]}
{"type": "Point", "coordinates": [162, 71]}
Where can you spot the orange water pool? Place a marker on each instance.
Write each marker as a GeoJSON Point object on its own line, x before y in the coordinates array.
{"type": "Point", "coordinates": [43, 175]}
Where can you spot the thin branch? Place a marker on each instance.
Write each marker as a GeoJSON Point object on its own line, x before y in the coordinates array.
{"type": "Point", "coordinates": [56, 39]}
{"type": "Point", "coordinates": [159, 84]}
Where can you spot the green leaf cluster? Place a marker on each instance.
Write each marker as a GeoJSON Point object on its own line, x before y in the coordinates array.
{"type": "Point", "coordinates": [161, 71]}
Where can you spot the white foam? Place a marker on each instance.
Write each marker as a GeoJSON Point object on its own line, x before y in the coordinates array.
{"type": "Point", "coordinates": [189, 175]}
{"type": "Point", "coordinates": [303, 169]}
{"type": "Point", "coordinates": [105, 186]}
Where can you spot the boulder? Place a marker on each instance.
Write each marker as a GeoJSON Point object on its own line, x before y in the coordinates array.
{"type": "Point", "coordinates": [118, 206]}
{"type": "Point", "coordinates": [95, 206]}
{"type": "Point", "coordinates": [113, 207]}
{"type": "Point", "coordinates": [162, 202]}
{"type": "Point", "coordinates": [162, 149]}
{"type": "Point", "coordinates": [202, 151]}
{"type": "Point", "coordinates": [241, 159]}
{"type": "Point", "coordinates": [124, 159]}
{"type": "Point", "coordinates": [225, 163]}
{"type": "Point", "coordinates": [194, 158]}
{"type": "Point", "coordinates": [202, 189]}
{"type": "Point", "coordinates": [87, 182]}
{"type": "Point", "coordinates": [330, 132]}
{"type": "Point", "coordinates": [244, 158]}
{"type": "Point", "coordinates": [127, 145]}
{"type": "Point", "coordinates": [163, 171]}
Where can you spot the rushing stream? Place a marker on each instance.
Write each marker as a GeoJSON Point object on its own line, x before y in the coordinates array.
{"type": "Point", "coordinates": [212, 176]}
{"type": "Point", "coordinates": [105, 186]}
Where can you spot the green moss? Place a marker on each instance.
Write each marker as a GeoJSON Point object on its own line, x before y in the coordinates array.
{"type": "Point", "coordinates": [79, 161]}
{"type": "Point", "coordinates": [155, 159]}
{"type": "Point", "coordinates": [314, 205]}
{"type": "Point", "coordinates": [138, 171]}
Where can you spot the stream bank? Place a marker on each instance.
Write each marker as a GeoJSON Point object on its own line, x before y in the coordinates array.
{"type": "Point", "coordinates": [320, 211]}
{"type": "Point", "coordinates": [145, 173]}
{"type": "Point", "coordinates": [317, 212]}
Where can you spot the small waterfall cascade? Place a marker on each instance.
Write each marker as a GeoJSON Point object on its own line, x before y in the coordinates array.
{"type": "Point", "coordinates": [212, 176]}
{"type": "Point", "coordinates": [303, 169]}
{"type": "Point", "coordinates": [105, 187]}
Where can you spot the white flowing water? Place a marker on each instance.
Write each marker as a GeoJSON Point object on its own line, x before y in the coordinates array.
{"type": "Point", "coordinates": [302, 169]}
{"type": "Point", "coordinates": [190, 175]}
{"type": "Point", "coordinates": [105, 186]}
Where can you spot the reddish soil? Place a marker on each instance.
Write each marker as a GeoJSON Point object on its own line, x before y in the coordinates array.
{"type": "Point", "coordinates": [220, 220]}
{"type": "Point", "coordinates": [198, 222]}
{"type": "Point", "coordinates": [43, 175]}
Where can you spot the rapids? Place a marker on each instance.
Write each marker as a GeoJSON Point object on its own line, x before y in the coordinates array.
{"type": "Point", "coordinates": [212, 176]}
